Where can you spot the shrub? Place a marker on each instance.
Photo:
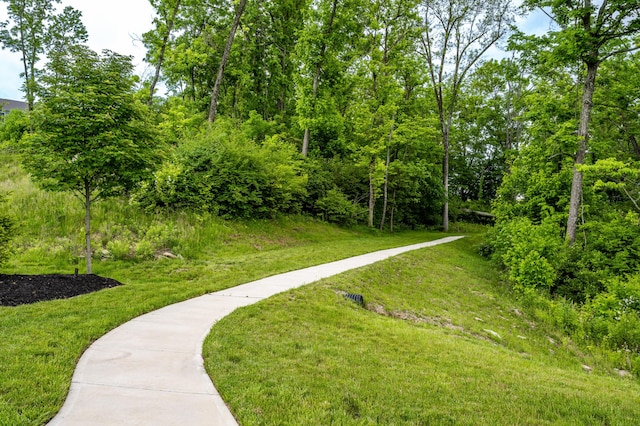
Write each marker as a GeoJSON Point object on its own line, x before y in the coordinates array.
{"type": "Point", "coordinates": [334, 207]}
{"type": "Point", "coordinates": [223, 172]}
{"type": "Point", "coordinates": [119, 249]}
{"type": "Point", "coordinates": [613, 316]}
{"type": "Point", "coordinates": [12, 127]}
{"type": "Point", "coordinates": [532, 272]}
{"type": "Point", "coordinates": [528, 251]}
{"type": "Point", "coordinates": [7, 228]}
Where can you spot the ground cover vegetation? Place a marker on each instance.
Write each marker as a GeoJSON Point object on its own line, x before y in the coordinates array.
{"type": "Point", "coordinates": [43, 341]}
{"type": "Point", "coordinates": [439, 341]}
{"type": "Point", "coordinates": [384, 114]}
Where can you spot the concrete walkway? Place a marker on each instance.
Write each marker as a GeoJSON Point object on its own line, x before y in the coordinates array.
{"type": "Point", "coordinates": [149, 371]}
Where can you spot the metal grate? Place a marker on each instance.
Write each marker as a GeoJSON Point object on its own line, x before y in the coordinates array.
{"type": "Point", "coordinates": [356, 298]}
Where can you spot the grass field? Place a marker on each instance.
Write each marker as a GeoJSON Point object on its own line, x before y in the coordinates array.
{"type": "Point", "coordinates": [440, 341]}
{"type": "Point", "coordinates": [42, 342]}
{"type": "Point", "coordinates": [425, 351]}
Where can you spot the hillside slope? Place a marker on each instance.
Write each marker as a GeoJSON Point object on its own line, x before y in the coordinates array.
{"type": "Point", "coordinates": [439, 341]}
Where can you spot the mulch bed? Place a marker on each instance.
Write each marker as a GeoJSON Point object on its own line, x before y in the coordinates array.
{"type": "Point", "coordinates": [21, 289]}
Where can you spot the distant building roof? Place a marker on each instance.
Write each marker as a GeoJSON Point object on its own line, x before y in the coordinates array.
{"type": "Point", "coordinates": [7, 105]}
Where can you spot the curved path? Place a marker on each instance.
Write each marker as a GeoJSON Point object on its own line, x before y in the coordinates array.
{"type": "Point", "coordinates": [149, 371]}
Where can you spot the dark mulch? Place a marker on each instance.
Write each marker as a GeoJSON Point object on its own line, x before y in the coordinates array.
{"type": "Point", "coordinates": [21, 289]}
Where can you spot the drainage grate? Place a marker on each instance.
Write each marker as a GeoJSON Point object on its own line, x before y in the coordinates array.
{"type": "Point", "coordinates": [356, 298]}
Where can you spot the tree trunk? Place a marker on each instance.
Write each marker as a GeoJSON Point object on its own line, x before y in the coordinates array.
{"type": "Point", "coordinates": [445, 178]}
{"type": "Point", "coordinates": [87, 226]}
{"type": "Point", "coordinates": [316, 77]}
{"type": "Point", "coordinates": [25, 63]}
{"type": "Point", "coordinates": [372, 200]}
{"type": "Point", "coordinates": [386, 179]}
{"type": "Point", "coordinates": [163, 48]}
{"type": "Point", "coordinates": [393, 211]}
{"type": "Point", "coordinates": [632, 141]}
{"type": "Point", "coordinates": [385, 191]}
{"type": "Point", "coordinates": [223, 62]}
{"type": "Point", "coordinates": [307, 131]}
{"type": "Point", "coordinates": [583, 135]}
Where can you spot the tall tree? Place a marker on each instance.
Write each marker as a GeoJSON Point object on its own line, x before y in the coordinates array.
{"type": "Point", "coordinates": [157, 41]}
{"type": "Point", "coordinates": [456, 34]}
{"type": "Point", "coordinates": [487, 130]}
{"type": "Point", "coordinates": [223, 62]}
{"type": "Point", "coordinates": [327, 29]}
{"type": "Point", "coordinates": [389, 40]}
{"type": "Point", "coordinates": [326, 49]}
{"type": "Point", "coordinates": [34, 29]}
{"type": "Point", "coordinates": [589, 32]}
{"type": "Point", "coordinates": [91, 136]}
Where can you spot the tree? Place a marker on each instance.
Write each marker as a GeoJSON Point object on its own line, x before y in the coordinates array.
{"type": "Point", "coordinates": [326, 48]}
{"type": "Point", "coordinates": [223, 62]}
{"type": "Point", "coordinates": [90, 135]}
{"type": "Point", "coordinates": [456, 34]}
{"type": "Point", "coordinates": [36, 30]}
{"type": "Point", "coordinates": [380, 92]}
{"type": "Point", "coordinates": [158, 40]}
{"type": "Point", "coordinates": [487, 129]}
{"type": "Point", "coordinates": [615, 175]}
{"type": "Point", "coordinates": [616, 113]}
{"type": "Point", "coordinates": [589, 33]}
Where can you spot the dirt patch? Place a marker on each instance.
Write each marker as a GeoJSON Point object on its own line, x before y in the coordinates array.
{"type": "Point", "coordinates": [413, 317]}
{"type": "Point", "coordinates": [22, 289]}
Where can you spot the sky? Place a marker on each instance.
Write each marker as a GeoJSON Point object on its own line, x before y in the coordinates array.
{"type": "Point", "coordinates": [116, 24]}
{"type": "Point", "coordinates": [113, 25]}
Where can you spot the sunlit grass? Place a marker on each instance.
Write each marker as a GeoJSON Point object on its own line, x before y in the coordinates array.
{"type": "Point", "coordinates": [423, 353]}
{"type": "Point", "coordinates": [441, 342]}
{"type": "Point", "coordinates": [41, 343]}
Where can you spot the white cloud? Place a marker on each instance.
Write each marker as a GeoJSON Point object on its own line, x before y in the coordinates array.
{"type": "Point", "coordinates": [113, 25]}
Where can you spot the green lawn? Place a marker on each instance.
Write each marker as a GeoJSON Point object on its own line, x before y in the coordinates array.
{"type": "Point", "coordinates": [41, 343]}
{"type": "Point", "coordinates": [424, 351]}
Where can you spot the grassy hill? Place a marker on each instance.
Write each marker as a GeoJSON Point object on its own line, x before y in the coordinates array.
{"type": "Point", "coordinates": [42, 342]}
{"type": "Point", "coordinates": [440, 341]}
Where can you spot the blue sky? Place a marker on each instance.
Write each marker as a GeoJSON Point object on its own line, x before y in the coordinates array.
{"type": "Point", "coordinates": [115, 25]}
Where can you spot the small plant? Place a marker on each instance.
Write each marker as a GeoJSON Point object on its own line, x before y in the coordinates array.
{"type": "Point", "coordinates": [7, 228]}
{"type": "Point", "coordinates": [334, 207]}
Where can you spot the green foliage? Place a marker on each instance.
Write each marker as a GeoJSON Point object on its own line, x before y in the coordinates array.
{"type": "Point", "coordinates": [7, 229]}
{"type": "Point", "coordinates": [334, 207]}
{"type": "Point", "coordinates": [12, 127]}
{"type": "Point", "coordinates": [532, 272]}
{"type": "Point", "coordinates": [223, 172]}
{"type": "Point", "coordinates": [612, 318]}
{"type": "Point", "coordinates": [617, 179]}
{"type": "Point", "coordinates": [91, 134]}
{"type": "Point", "coordinates": [34, 30]}
{"type": "Point", "coordinates": [526, 251]}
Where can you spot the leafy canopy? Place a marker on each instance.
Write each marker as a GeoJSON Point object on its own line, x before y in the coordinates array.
{"type": "Point", "coordinates": [91, 132]}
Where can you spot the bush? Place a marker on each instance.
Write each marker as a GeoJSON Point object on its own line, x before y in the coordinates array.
{"type": "Point", "coordinates": [334, 207]}
{"type": "Point", "coordinates": [7, 228]}
{"type": "Point", "coordinates": [532, 272]}
{"type": "Point", "coordinates": [12, 127]}
{"type": "Point", "coordinates": [528, 252]}
{"type": "Point", "coordinates": [223, 172]}
{"type": "Point", "coordinates": [613, 316]}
